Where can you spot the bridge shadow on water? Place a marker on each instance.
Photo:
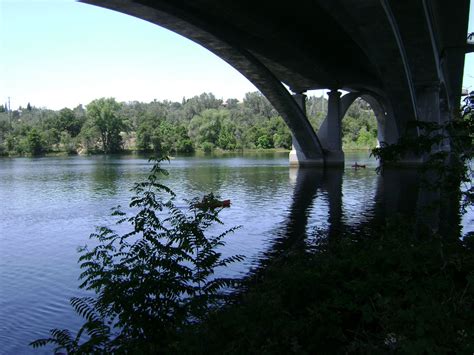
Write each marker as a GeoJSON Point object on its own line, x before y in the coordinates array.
{"type": "Point", "coordinates": [399, 279]}
{"type": "Point", "coordinates": [400, 193]}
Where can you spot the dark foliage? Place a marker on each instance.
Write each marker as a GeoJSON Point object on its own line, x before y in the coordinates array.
{"type": "Point", "coordinates": [398, 290]}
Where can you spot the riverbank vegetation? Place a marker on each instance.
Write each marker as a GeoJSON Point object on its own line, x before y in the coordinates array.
{"type": "Point", "coordinates": [200, 123]}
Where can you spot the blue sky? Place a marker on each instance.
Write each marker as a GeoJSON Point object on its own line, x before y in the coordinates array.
{"type": "Point", "coordinates": [60, 53]}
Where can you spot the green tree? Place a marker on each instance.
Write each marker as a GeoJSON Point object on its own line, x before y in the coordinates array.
{"type": "Point", "coordinates": [198, 104]}
{"type": "Point", "coordinates": [282, 140]}
{"type": "Point", "coordinates": [11, 142]}
{"type": "Point", "coordinates": [232, 104]}
{"type": "Point", "coordinates": [104, 115]}
{"type": "Point", "coordinates": [69, 122]}
{"type": "Point", "coordinates": [183, 141]}
{"type": "Point", "coordinates": [144, 136]}
{"type": "Point", "coordinates": [366, 139]}
{"type": "Point", "coordinates": [264, 141]}
{"type": "Point", "coordinates": [51, 138]}
{"type": "Point", "coordinates": [88, 138]}
{"type": "Point", "coordinates": [258, 104]}
{"type": "Point", "coordinates": [34, 143]}
{"type": "Point", "coordinates": [4, 129]}
{"type": "Point", "coordinates": [205, 128]}
{"type": "Point", "coordinates": [165, 136]}
{"type": "Point", "coordinates": [67, 143]}
{"type": "Point", "coordinates": [226, 139]}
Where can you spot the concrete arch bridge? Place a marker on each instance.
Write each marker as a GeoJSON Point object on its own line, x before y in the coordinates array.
{"type": "Point", "coordinates": [405, 57]}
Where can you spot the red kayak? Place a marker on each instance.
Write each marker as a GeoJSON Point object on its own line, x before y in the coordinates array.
{"type": "Point", "coordinates": [214, 204]}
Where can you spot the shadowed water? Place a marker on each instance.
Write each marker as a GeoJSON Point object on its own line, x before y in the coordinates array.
{"type": "Point", "coordinates": [49, 206]}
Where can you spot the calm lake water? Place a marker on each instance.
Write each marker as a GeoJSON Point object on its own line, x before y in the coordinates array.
{"type": "Point", "coordinates": [49, 206]}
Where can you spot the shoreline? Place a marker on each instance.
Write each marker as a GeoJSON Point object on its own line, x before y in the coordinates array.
{"type": "Point", "coordinates": [215, 152]}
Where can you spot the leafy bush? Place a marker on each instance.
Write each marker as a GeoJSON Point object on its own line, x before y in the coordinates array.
{"type": "Point", "coordinates": [34, 144]}
{"type": "Point", "coordinates": [207, 147]}
{"type": "Point", "coordinates": [265, 142]}
{"type": "Point", "coordinates": [151, 282]}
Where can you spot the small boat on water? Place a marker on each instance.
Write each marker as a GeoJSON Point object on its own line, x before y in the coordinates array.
{"type": "Point", "coordinates": [225, 203]}
{"type": "Point", "coordinates": [211, 204]}
{"type": "Point", "coordinates": [357, 166]}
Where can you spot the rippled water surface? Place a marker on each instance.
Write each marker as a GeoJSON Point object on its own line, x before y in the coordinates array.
{"type": "Point", "coordinates": [49, 206]}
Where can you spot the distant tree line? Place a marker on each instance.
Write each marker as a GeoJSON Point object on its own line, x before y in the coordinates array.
{"type": "Point", "coordinates": [199, 123]}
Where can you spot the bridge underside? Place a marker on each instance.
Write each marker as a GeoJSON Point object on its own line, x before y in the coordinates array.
{"type": "Point", "coordinates": [406, 57]}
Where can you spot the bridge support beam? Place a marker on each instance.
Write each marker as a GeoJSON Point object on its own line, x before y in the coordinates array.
{"type": "Point", "coordinates": [298, 157]}
{"type": "Point", "coordinates": [429, 111]}
{"type": "Point", "coordinates": [434, 108]}
{"type": "Point", "coordinates": [330, 132]}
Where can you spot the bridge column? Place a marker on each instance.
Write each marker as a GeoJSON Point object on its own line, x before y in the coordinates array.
{"type": "Point", "coordinates": [434, 108]}
{"type": "Point", "coordinates": [333, 130]}
{"type": "Point", "coordinates": [429, 104]}
{"type": "Point", "coordinates": [429, 110]}
{"type": "Point", "coordinates": [429, 197]}
{"type": "Point", "coordinates": [298, 156]}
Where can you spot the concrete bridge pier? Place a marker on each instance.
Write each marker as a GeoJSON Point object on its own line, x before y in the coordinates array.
{"type": "Point", "coordinates": [428, 111]}
{"type": "Point", "coordinates": [297, 155]}
{"type": "Point", "coordinates": [435, 109]}
{"type": "Point", "coordinates": [330, 132]}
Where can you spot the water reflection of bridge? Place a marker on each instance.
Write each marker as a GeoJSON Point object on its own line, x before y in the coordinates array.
{"type": "Point", "coordinates": [397, 192]}
{"type": "Point", "coordinates": [352, 286]}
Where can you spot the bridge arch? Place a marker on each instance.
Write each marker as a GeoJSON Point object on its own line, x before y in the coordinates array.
{"type": "Point", "coordinates": [248, 64]}
{"type": "Point", "coordinates": [399, 57]}
{"type": "Point", "coordinates": [387, 129]}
